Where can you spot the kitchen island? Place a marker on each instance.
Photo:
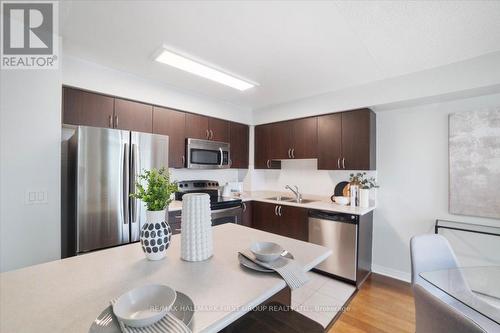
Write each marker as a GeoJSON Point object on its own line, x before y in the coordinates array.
{"type": "Point", "coordinates": [67, 295]}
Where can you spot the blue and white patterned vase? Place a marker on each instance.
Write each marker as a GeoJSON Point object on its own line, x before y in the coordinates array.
{"type": "Point", "coordinates": [155, 235]}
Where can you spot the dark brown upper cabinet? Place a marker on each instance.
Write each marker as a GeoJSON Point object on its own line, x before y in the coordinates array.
{"type": "Point", "coordinates": [285, 140]}
{"type": "Point", "coordinates": [86, 108]}
{"type": "Point", "coordinates": [281, 134]}
{"type": "Point", "coordinates": [238, 141]}
{"type": "Point", "coordinates": [206, 128]}
{"type": "Point", "coordinates": [133, 116]}
{"type": "Point", "coordinates": [347, 140]}
{"type": "Point", "coordinates": [359, 140]}
{"type": "Point", "coordinates": [263, 158]}
{"type": "Point", "coordinates": [197, 126]}
{"type": "Point", "coordinates": [330, 141]}
{"type": "Point", "coordinates": [172, 123]}
{"type": "Point", "coordinates": [304, 139]}
{"type": "Point", "coordinates": [219, 129]}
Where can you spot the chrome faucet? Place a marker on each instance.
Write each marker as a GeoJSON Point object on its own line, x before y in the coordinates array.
{"type": "Point", "coordinates": [298, 195]}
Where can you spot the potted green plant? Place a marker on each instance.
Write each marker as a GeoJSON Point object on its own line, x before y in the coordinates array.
{"type": "Point", "coordinates": [365, 184]}
{"type": "Point", "coordinates": [154, 188]}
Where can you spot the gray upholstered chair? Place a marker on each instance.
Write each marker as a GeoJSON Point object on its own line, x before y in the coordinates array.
{"type": "Point", "coordinates": [435, 316]}
{"type": "Point", "coordinates": [430, 253]}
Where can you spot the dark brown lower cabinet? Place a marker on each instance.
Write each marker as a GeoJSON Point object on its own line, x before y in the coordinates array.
{"type": "Point", "coordinates": [247, 214]}
{"type": "Point", "coordinates": [174, 220]}
{"type": "Point", "coordinates": [293, 222]}
{"type": "Point", "coordinates": [283, 220]}
{"type": "Point", "coordinates": [264, 217]}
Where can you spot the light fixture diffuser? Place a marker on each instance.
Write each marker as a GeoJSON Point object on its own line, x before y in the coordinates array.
{"type": "Point", "coordinates": [178, 61]}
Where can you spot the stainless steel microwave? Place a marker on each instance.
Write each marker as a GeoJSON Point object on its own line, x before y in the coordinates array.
{"type": "Point", "coordinates": [205, 154]}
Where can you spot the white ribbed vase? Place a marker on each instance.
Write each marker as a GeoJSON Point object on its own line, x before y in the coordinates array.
{"type": "Point", "coordinates": [196, 227]}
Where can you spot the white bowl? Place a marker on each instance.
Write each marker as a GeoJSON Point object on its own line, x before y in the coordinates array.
{"type": "Point", "coordinates": [342, 200]}
{"type": "Point", "coordinates": [266, 251]}
{"type": "Point", "coordinates": [145, 305]}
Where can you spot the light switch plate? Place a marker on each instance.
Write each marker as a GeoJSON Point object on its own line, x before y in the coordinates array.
{"type": "Point", "coordinates": [36, 197]}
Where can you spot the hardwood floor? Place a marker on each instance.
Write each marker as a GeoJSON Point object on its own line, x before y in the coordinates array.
{"type": "Point", "coordinates": [381, 305]}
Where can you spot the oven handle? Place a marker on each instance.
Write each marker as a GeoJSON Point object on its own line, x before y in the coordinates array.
{"type": "Point", "coordinates": [218, 213]}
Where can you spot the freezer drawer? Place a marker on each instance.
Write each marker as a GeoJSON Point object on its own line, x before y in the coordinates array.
{"type": "Point", "coordinates": [341, 238]}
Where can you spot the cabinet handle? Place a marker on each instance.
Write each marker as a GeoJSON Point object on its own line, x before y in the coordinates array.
{"type": "Point", "coordinates": [244, 206]}
{"type": "Point", "coordinates": [116, 121]}
{"type": "Point", "coordinates": [343, 162]}
{"type": "Point", "coordinates": [338, 163]}
{"type": "Point", "coordinates": [280, 211]}
{"type": "Point", "coordinates": [268, 164]}
{"type": "Point", "coordinates": [276, 210]}
{"type": "Point", "coordinates": [293, 152]}
{"type": "Point", "coordinates": [183, 160]}
{"type": "Point", "coordinates": [289, 153]}
{"type": "Point", "coordinates": [110, 121]}
{"type": "Point", "coordinates": [211, 135]}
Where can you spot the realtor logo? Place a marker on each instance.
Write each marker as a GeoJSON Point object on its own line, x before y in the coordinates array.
{"type": "Point", "coordinates": [29, 35]}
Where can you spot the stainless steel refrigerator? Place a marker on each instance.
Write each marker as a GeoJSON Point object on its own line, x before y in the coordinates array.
{"type": "Point", "coordinates": [99, 170]}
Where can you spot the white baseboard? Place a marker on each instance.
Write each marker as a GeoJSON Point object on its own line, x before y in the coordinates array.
{"type": "Point", "coordinates": [390, 272]}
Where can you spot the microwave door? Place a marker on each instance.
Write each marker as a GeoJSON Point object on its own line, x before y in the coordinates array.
{"type": "Point", "coordinates": [147, 151]}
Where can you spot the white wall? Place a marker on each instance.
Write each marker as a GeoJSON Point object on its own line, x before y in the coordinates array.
{"type": "Point", "coordinates": [412, 165]}
{"type": "Point", "coordinates": [87, 75]}
{"type": "Point", "coordinates": [304, 174]}
{"type": "Point", "coordinates": [30, 121]}
{"type": "Point", "coordinates": [473, 75]}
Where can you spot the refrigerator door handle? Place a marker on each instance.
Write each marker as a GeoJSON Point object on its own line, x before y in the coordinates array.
{"type": "Point", "coordinates": [126, 177]}
{"type": "Point", "coordinates": [133, 179]}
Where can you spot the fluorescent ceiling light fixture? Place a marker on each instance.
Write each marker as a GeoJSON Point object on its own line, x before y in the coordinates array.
{"type": "Point", "coordinates": [194, 67]}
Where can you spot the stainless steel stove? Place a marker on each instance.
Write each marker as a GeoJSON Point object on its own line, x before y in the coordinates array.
{"type": "Point", "coordinates": [224, 209]}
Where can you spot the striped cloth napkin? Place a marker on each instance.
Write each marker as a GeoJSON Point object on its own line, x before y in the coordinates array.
{"type": "Point", "coordinates": [289, 269]}
{"type": "Point", "coordinates": [168, 324]}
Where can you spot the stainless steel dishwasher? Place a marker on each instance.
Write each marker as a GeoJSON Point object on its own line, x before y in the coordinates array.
{"type": "Point", "coordinates": [339, 233]}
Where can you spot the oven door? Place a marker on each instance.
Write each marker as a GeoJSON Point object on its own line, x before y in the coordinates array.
{"type": "Point", "coordinates": [204, 154]}
{"type": "Point", "coordinates": [227, 215]}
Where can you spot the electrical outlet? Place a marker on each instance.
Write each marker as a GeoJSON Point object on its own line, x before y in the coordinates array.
{"type": "Point", "coordinates": [36, 197]}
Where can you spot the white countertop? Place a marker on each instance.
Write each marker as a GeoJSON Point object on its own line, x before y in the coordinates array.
{"type": "Point", "coordinates": [67, 295]}
{"type": "Point", "coordinates": [320, 203]}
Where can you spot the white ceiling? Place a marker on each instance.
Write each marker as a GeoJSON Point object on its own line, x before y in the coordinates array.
{"type": "Point", "coordinates": [293, 49]}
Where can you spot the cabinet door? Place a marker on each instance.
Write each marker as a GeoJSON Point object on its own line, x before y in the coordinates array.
{"type": "Point", "coordinates": [330, 141]}
{"type": "Point", "coordinates": [358, 140]}
{"type": "Point", "coordinates": [86, 108]}
{"type": "Point", "coordinates": [133, 116]}
{"type": "Point", "coordinates": [172, 123]}
{"type": "Point", "coordinates": [304, 137]}
{"type": "Point", "coordinates": [262, 140]}
{"type": "Point", "coordinates": [238, 140]}
{"type": "Point", "coordinates": [264, 217]}
{"type": "Point", "coordinates": [281, 140]}
{"type": "Point", "coordinates": [174, 220]}
{"type": "Point", "coordinates": [219, 129]}
{"type": "Point", "coordinates": [247, 214]}
{"type": "Point", "coordinates": [293, 222]}
{"type": "Point", "coordinates": [196, 126]}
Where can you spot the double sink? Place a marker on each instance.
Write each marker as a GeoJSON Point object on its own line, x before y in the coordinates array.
{"type": "Point", "coordinates": [290, 199]}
